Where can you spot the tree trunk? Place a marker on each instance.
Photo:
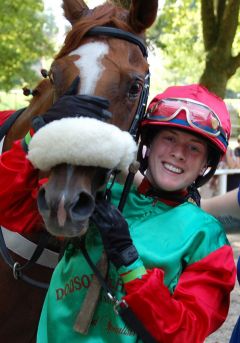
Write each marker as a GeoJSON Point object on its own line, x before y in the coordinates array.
{"type": "Point", "coordinates": [220, 22]}
{"type": "Point", "coordinates": [215, 75]}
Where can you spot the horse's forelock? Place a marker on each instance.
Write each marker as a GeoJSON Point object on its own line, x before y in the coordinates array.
{"type": "Point", "coordinates": [41, 89]}
{"type": "Point", "coordinates": [104, 15]}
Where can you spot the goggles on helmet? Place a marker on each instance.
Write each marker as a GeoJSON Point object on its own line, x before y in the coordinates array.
{"type": "Point", "coordinates": [198, 115]}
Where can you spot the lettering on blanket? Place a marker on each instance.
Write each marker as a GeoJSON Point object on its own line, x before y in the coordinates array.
{"type": "Point", "coordinates": [111, 328]}
{"type": "Point", "coordinates": [119, 331]}
{"type": "Point", "coordinates": [79, 282]}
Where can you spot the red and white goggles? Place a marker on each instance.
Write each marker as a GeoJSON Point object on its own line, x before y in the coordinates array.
{"type": "Point", "coordinates": [178, 110]}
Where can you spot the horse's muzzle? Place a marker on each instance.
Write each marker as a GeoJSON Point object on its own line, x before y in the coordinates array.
{"type": "Point", "coordinates": [64, 217]}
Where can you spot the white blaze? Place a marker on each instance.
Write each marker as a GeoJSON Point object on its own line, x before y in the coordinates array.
{"type": "Point", "coordinates": [90, 65]}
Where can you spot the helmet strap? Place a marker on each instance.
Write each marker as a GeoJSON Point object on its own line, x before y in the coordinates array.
{"type": "Point", "coordinates": [202, 179]}
{"type": "Point", "coordinates": [193, 195]}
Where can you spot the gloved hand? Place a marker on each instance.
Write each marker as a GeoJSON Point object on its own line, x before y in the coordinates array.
{"type": "Point", "coordinates": [115, 234]}
{"type": "Point", "coordinates": [70, 105]}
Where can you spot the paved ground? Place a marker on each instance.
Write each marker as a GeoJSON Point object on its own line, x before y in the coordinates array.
{"type": "Point", "coordinates": [224, 333]}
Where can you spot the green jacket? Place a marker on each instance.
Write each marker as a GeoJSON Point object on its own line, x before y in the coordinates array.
{"type": "Point", "coordinates": [183, 297]}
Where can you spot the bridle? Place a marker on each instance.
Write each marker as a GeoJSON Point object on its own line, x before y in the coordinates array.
{"type": "Point", "coordinates": [132, 38]}
{"type": "Point", "coordinates": [133, 130]}
{"type": "Point", "coordinates": [18, 270]}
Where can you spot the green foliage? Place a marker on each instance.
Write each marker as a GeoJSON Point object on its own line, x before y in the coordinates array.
{"type": "Point", "coordinates": [178, 33]}
{"type": "Point", "coordinates": [234, 82]}
{"type": "Point", "coordinates": [25, 39]}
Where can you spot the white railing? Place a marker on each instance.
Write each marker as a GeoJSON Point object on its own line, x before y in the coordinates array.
{"type": "Point", "coordinates": [223, 174]}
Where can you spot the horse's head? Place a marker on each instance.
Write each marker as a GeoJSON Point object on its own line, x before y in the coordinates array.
{"type": "Point", "coordinates": [79, 152]}
{"type": "Point", "coordinates": [111, 64]}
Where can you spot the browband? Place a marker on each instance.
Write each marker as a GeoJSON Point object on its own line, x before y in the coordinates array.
{"type": "Point", "coordinates": [118, 33]}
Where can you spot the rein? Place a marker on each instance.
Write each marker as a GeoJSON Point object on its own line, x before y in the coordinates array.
{"type": "Point", "coordinates": [9, 122]}
{"type": "Point", "coordinates": [18, 269]}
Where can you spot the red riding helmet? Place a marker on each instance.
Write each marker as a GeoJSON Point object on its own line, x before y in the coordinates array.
{"type": "Point", "coordinates": [191, 108]}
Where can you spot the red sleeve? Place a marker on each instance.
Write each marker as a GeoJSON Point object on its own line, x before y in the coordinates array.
{"type": "Point", "coordinates": [4, 115]}
{"type": "Point", "coordinates": [18, 191]}
{"type": "Point", "coordinates": [198, 306]}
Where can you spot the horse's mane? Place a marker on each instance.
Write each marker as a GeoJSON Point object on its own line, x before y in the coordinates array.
{"type": "Point", "coordinates": [42, 88]}
{"type": "Point", "coordinates": [43, 84]}
{"type": "Point", "coordinates": [103, 15]}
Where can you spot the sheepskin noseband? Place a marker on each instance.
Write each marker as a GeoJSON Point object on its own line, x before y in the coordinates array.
{"type": "Point", "coordinates": [81, 141]}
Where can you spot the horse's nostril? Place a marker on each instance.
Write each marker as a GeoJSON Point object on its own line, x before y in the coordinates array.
{"type": "Point", "coordinates": [83, 207]}
{"type": "Point", "coordinates": [41, 200]}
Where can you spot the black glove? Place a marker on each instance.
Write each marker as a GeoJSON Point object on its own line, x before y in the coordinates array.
{"type": "Point", "coordinates": [73, 105]}
{"type": "Point", "coordinates": [115, 234]}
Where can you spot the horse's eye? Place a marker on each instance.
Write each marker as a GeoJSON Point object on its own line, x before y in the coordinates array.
{"type": "Point", "coordinates": [135, 89]}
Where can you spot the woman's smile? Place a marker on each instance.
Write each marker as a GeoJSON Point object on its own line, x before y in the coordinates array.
{"type": "Point", "coordinates": [172, 168]}
{"type": "Point", "coordinates": [176, 159]}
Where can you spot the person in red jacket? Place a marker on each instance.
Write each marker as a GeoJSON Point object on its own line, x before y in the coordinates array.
{"type": "Point", "coordinates": [173, 260]}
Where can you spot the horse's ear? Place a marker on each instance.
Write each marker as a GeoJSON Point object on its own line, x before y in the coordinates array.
{"type": "Point", "coordinates": [142, 14]}
{"type": "Point", "coordinates": [74, 10]}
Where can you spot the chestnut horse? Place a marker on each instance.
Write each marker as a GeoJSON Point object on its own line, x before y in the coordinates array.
{"type": "Point", "coordinates": [111, 66]}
